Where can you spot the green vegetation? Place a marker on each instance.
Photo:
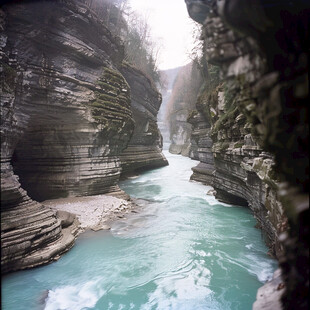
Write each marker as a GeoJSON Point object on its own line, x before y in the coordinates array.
{"type": "Point", "coordinates": [192, 114]}
{"type": "Point", "coordinates": [225, 119]}
{"type": "Point", "coordinates": [111, 107]}
{"type": "Point", "coordinates": [238, 145]}
{"type": "Point", "coordinates": [9, 80]}
{"type": "Point", "coordinates": [140, 50]}
{"type": "Point", "coordinates": [221, 146]}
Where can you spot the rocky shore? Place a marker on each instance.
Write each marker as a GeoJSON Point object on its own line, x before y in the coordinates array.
{"type": "Point", "coordinates": [92, 212]}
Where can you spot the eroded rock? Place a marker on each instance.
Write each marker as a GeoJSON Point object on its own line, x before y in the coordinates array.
{"type": "Point", "coordinates": [145, 146]}
{"type": "Point", "coordinates": [66, 118]}
{"type": "Point", "coordinates": [180, 106]}
{"type": "Point", "coordinates": [260, 48]}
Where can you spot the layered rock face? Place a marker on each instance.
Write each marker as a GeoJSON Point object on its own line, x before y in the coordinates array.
{"type": "Point", "coordinates": [201, 121]}
{"type": "Point", "coordinates": [180, 105]}
{"type": "Point", "coordinates": [66, 117]}
{"type": "Point", "coordinates": [261, 106]}
{"type": "Point", "coordinates": [145, 146]}
{"type": "Point", "coordinates": [231, 159]}
{"type": "Point", "coordinates": [168, 76]}
{"type": "Point", "coordinates": [201, 148]}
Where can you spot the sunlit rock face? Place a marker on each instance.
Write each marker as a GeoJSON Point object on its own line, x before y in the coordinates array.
{"type": "Point", "coordinates": [262, 52]}
{"type": "Point", "coordinates": [65, 119]}
{"type": "Point", "coordinates": [145, 146]}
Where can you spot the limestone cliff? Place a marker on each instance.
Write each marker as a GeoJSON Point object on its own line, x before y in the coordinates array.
{"type": "Point", "coordinates": [231, 160]}
{"type": "Point", "coordinates": [144, 148]}
{"type": "Point", "coordinates": [259, 107]}
{"type": "Point", "coordinates": [200, 119]}
{"type": "Point", "coordinates": [168, 77]}
{"type": "Point", "coordinates": [66, 116]}
{"type": "Point", "coordinates": [180, 105]}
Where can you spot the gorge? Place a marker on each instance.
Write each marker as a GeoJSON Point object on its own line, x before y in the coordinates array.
{"type": "Point", "coordinates": [78, 115]}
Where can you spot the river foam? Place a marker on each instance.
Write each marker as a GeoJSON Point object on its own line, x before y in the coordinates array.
{"type": "Point", "coordinates": [183, 250]}
{"type": "Point", "coordinates": [75, 297]}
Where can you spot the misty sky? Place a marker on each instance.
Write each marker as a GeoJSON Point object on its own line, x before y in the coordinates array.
{"type": "Point", "coordinates": [169, 21]}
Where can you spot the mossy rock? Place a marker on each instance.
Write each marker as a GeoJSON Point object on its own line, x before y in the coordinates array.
{"type": "Point", "coordinates": [238, 144]}
{"type": "Point", "coordinates": [225, 120]}
{"type": "Point", "coordinates": [9, 81]}
{"type": "Point", "coordinates": [111, 106]}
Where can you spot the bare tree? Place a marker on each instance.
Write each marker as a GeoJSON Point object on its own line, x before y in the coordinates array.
{"type": "Point", "coordinates": [141, 50]}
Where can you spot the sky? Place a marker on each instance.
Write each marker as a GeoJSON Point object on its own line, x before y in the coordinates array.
{"type": "Point", "coordinates": [171, 25]}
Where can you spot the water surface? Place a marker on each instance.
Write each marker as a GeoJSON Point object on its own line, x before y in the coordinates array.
{"type": "Point", "coordinates": [183, 251]}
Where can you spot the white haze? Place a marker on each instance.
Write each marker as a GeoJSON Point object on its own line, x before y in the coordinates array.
{"type": "Point", "coordinates": [171, 27]}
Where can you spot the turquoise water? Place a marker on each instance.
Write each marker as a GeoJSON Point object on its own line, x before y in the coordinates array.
{"type": "Point", "coordinates": [183, 251]}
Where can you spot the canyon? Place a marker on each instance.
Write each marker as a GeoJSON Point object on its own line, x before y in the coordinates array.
{"type": "Point", "coordinates": [76, 117]}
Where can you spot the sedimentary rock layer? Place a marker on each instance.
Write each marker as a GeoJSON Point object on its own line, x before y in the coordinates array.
{"type": "Point", "coordinates": [232, 161]}
{"type": "Point", "coordinates": [145, 146]}
{"type": "Point", "coordinates": [265, 65]}
{"type": "Point", "coordinates": [168, 77]}
{"type": "Point", "coordinates": [201, 148]}
{"type": "Point", "coordinates": [180, 105]}
{"type": "Point", "coordinates": [65, 117]}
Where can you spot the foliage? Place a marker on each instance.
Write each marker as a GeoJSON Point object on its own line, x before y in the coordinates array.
{"type": "Point", "coordinates": [9, 79]}
{"type": "Point", "coordinates": [140, 50]}
{"type": "Point", "coordinates": [111, 12]}
{"type": "Point", "coordinates": [196, 53]}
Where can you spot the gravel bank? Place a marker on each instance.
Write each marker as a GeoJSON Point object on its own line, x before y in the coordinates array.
{"type": "Point", "coordinates": [93, 212]}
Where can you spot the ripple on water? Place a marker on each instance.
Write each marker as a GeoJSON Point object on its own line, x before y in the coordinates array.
{"type": "Point", "coordinates": [183, 251]}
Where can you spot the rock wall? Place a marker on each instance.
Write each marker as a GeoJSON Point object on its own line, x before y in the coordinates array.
{"type": "Point", "coordinates": [180, 105]}
{"type": "Point", "coordinates": [201, 148]}
{"type": "Point", "coordinates": [201, 141]}
{"type": "Point", "coordinates": [145, 146]}
{"type": "Point", "coordinates": [260, 106]}
{"type": "Point", "coordinates": [231, 159]}
{"type": "Point", "coordinates": [168, 77]}
{"type": "Point", "coordinates": [66, 118]}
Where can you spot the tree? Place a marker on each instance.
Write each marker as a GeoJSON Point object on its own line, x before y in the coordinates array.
{"type": "Point", "coordinates": [140, 49]}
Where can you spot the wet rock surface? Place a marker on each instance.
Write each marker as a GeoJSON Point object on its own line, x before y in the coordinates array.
{"type": "Point", "coordinates": [269, 296]}
{"type": "Point", "coordinates": [231, 159]}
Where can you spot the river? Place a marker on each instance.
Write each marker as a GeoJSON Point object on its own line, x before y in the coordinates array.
{"type": "Point", "coordinates": [183, 251]}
